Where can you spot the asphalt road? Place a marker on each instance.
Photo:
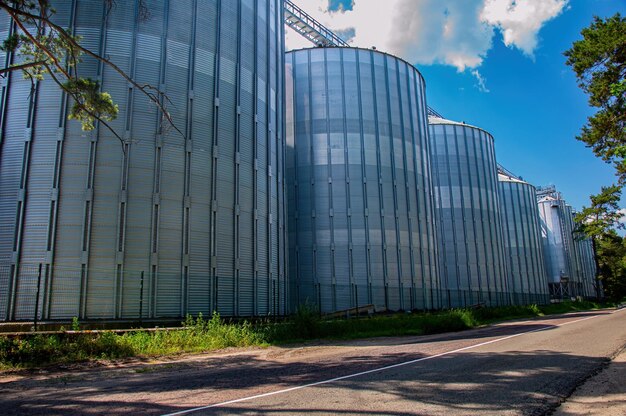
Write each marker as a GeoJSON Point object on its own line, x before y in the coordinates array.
{"type": "Point", "coordinates": [508, 369]}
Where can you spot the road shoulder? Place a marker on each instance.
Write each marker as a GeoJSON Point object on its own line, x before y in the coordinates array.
{"type": "Point", "coordinates": [604, 394]}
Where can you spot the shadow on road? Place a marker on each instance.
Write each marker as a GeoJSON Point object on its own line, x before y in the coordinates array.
{"type": "Point", "coordinates": [467, 381]}
{"type": "Point", "coordinates": [520, 382]}
{"type": "Point", "coordinates": [464, 381]}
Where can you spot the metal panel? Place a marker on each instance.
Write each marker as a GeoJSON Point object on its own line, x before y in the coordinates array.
{"type": "Point", "coordinates": [355, 179]}
{"type": "Point", "coordinates": [200, 214]}
{"type": "Point", "coordinates": [522, 232]}
{"type": "Point", "coordinates": [571, 270]}
{"type": "Point", "coordinates": [466, 200]}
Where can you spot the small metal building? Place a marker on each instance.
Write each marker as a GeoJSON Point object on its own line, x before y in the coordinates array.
{"type": "Point", "coordinates": [522, 240]}
{"type": "Point", "coordinates": [173, 224]}
{"type": "Point", "coordinates": [466, 198]}
{"type": "Point", "coordinates": [361, 215]}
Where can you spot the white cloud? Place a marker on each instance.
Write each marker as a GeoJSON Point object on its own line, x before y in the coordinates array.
{"type": "Point", "coordinates": [521, 20]}
{"type": "Point", "coordinates": [481, 83]}
{"type": "Point", "coordinates": [451, 32]}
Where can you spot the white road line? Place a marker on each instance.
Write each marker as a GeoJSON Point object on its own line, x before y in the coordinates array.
{"type": "Point", "coordinates": [430, 357]}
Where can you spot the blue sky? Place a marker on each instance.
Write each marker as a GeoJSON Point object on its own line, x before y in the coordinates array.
{"type": "Point", "coordinates": [529, 102]}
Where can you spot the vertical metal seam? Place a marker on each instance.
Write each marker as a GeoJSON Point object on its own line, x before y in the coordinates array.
{"type": "Point", "coordinates": [368, 265]}
{"type": "Point", "coordinates": [346, 155]}
{"type": "Point", "coordinates": [282, 191]}
{"type": "Point", "coordinates": [423, 138]}
{"type": "Point", "coordinates": [296, 178]}
{"type": "Point", "coordinates": [255, 176]}
{"type": "Point", "coordinates": [479, 140]}
{"type": "Point", "coordinates": [428, 184]}
{"type": "Point", "coordinates": [214, 159]}
{"type": "Point", "coordinates": [473, 220]}
{"type": "Point", "coordinates": [237, 173]}
{"type": "Point", "coordinates": [520, 235]}
{"type": "Point", "coordinates": [531, 207]}
{"type": "Point", "coordinates": [188, 150]}
{"type": "Point", "coordinates": [511, 235]}
{"type": "Point", "coordinates": [8, 60]}
{"type": "Point", "coordinates": [452, 207]}
{"type": "Point", "coordinates": [408, 111]}
{"type": "Point", "coordinates": [508, 205]}
{"type": "Point", "coordinates": [405, 169]}
{"type": "Point", "coordinates": [268, 168]}
{"type": "Point", "coordinates": [56, 183]}
{"type": "Point", "coordinates": [381, 202]}
{"type": "Point", "coordinates": [329, 185]}
{"type": "Point", "coordinates": [4, 100]}
{"type": "Point", "coordinates": [437, 181]}
{"type": "Point", "coordinates": [485, 141]}
{"type": "Point", "coordinates": [311, 181]}
{"type": "Point", "coordinates": [394, 180]}
{"type": "Point", "coordinates": [158, 176]}
{"type": "Point", "coordinates": [22, 199]}
{"type": "Point", "coordinates": [125, 168]}
{"type": "Point", "coordinates": [463, 205]}
{"type": "Point", "coordinates": [498, 227]}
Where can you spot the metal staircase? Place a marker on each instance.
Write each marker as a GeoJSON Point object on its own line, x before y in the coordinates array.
{"type": "Point", "coordinates": [311, 29]}
{"type": "Point", "coordinates": [318, 34]}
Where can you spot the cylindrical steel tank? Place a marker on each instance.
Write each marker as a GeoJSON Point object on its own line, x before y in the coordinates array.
{"type": "Point", "coordinates": [175, 223]}
{"type": "Point", "coordinates": [584, 247]}
{"type": "Point", "coordinates": [361, 220]}
{"type": "Point", "coordinates": [522, 239]}
{"type": "Point", "coordinates": [570, 273]}
{"type": "Point", "coordinates": [582, 259]}
{"type": "Point", "coordinates": [466, 198]}
{"type": "Point", "coordinates": [550, 212]}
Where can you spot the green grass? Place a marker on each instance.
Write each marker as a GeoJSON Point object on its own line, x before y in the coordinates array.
{"type": "Point", "coordinates": [199, 334]}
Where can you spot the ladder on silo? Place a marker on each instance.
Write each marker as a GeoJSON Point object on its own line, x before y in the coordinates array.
{"type": "Point", "coordinates": [504, 171]}
{"type": "Point", "coordinates": [433, 113]}
{"type": "Point", "coordinates": [311, 29]}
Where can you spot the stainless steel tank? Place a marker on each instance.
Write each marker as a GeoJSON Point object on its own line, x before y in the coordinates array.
{"type": "Point", "coordinates": [569, 258]}
{"type": "Point", "coordinates": [466, 197]}
{"type": "Point", "coordinates": [588, 266]}
{"type": "Point", "coordinates": [361, 219]}
{"type": "Point", "coordinates": [175, 223]}
{"type": "Point", "coordinates": [522, 239]}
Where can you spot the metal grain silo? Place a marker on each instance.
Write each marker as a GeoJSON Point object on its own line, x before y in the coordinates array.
{"type": "Point", "coordinates": [583, 259]}
{"type": "Point", "coordinates": [522, 239]}
{"type": "Point", "coordinates": [584, 246]}
{"type": "Point", "coordinates": [570, 273]}
{"type": "Point", "coordinates": [361, 220]}
{"type": "Point", "coordinates": [466, 198]}
{"type": "Point", "coordinates": [175, 223]}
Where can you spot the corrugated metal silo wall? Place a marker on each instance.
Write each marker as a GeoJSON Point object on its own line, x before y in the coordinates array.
{"type": "Point", "coordinates": [361, 217]}
{"type": "Point", "coordinates": [528, 280]}
{"type": "Point", "coordinates": [568, 255]}
{"type": "Point", "coordinates": [553, 242]}
{"type": "Point", "coordinates": [573, 253]}
{"type": "Point", "coordinates": [582, 259]}
{"type": "Point", "coordinates": [201, 214]}
{"type": "Point", "coordinates": [471, 241]}
{"type": "Point", "coordinates": [587, 256]}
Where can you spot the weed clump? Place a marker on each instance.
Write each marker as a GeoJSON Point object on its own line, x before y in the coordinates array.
{"type": "Point", "coordinates": [200, 334]}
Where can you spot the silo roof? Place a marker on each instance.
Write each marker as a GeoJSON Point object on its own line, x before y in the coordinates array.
{"type": "Point", "coordinates": [438, 120]}
{"type": "Point", "coordinates": [441, 121]}
{"type": "Point", "coordinates": [506, 178]}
